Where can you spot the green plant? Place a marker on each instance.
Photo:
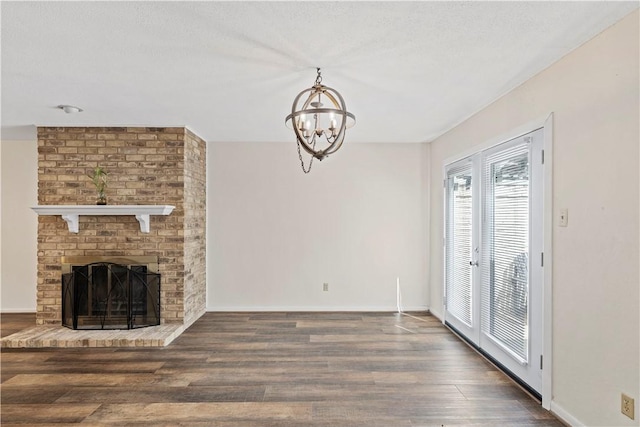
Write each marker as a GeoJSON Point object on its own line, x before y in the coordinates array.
{"type": "Point", "coordinates": [99, 179]}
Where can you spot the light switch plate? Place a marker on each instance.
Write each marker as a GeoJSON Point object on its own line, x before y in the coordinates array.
{"type": "Point", "coordinates": [563, 220]}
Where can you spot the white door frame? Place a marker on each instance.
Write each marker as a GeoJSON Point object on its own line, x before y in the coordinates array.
{"type": "Point", "coordinates": [546, 123]}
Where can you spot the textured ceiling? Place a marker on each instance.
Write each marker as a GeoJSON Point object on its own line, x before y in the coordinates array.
{"type": "Point", "coordinates": [229, 71]}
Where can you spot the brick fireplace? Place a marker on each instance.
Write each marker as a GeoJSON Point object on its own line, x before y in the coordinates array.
{"type": "Point", "coordinates": [145, 166]}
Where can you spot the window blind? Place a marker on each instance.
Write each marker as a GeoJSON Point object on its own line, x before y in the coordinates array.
{"type": "Point", "coordinates": [505, 260]}
{"type": "Point", "coordinates": [459, 244]}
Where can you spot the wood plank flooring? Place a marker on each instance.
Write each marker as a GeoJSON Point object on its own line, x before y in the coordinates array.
{"type": "Point", "coordinates": [268, 369]}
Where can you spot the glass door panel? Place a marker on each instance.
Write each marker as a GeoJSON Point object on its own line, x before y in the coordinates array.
{"type": "Point", "coordinates": [505, 282]}
{"type": "Point", "coordinates": [461, 246]}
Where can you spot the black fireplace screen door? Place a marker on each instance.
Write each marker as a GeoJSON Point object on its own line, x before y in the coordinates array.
{"type": "Point", "coordinates": [106, 295]}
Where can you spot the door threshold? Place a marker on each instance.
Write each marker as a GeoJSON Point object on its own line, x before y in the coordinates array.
{"type": "Point", "coordinates": [524, 386]}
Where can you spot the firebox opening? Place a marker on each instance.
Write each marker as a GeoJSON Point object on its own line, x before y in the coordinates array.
{"type": "Point", "coordinates": [110, 293]}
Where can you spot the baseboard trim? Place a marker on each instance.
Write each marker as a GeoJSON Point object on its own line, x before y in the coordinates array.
{"type": "Point", "coordinates": [564, 415]}
{"type": "Point", "coordinates": [313, 309]}
{"type": "Point", "coordinates": [437, 315]}
{"type": "Point", "coordinates": [17, 310]}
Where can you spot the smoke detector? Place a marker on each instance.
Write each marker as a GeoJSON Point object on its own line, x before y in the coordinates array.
{"type": "Point", "coordinates": [70, 109]}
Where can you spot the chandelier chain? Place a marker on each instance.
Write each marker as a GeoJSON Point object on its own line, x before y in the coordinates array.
{"type": "Point", "coordinates": [318, 78]}
{"type": "Point", "coordinates": [300, 156]}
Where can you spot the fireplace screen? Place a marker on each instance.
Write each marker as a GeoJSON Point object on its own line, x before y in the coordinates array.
{"type": "Point", "coordinates": [107, 295]}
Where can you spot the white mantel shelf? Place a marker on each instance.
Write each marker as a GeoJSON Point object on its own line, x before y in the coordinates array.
{"type": "Point", "coordinates": [71, 213]}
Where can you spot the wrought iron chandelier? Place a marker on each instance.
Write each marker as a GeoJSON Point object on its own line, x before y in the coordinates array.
{"type": "Point", "coordinates": [319, 130]}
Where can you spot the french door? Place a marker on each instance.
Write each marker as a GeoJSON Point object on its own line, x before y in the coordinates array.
{"type": "Point", "coordinates": [493, 254]}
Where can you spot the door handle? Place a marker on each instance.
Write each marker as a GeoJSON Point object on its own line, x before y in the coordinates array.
{"type": "Point", "coordinates": [473, 263]}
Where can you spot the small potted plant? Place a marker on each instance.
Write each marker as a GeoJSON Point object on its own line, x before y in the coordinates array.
{"type": "Point", "coordinates": [99, 179]}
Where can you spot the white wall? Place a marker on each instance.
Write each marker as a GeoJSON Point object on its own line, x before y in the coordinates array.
{"type": "Point", "coordinates": [594, 94]}
{"type": "Point", "coordinates": [357, 221]}
{"type": "Point", "coordinates": [19, 225]}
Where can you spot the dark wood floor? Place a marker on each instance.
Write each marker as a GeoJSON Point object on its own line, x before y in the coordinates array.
{"type": "Point", "coordinates": [268, 369]}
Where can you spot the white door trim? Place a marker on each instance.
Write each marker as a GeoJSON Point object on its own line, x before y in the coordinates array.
{"type": "Point", "coordinates": [526, 128]}
{"type": "Point", "coordinates": [547, 297]}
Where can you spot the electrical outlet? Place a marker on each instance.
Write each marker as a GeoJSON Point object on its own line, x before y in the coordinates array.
{"type": "Point", "coordinates": [325, 287]}
{"type": "Point", "coordinates": [627, 406]}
